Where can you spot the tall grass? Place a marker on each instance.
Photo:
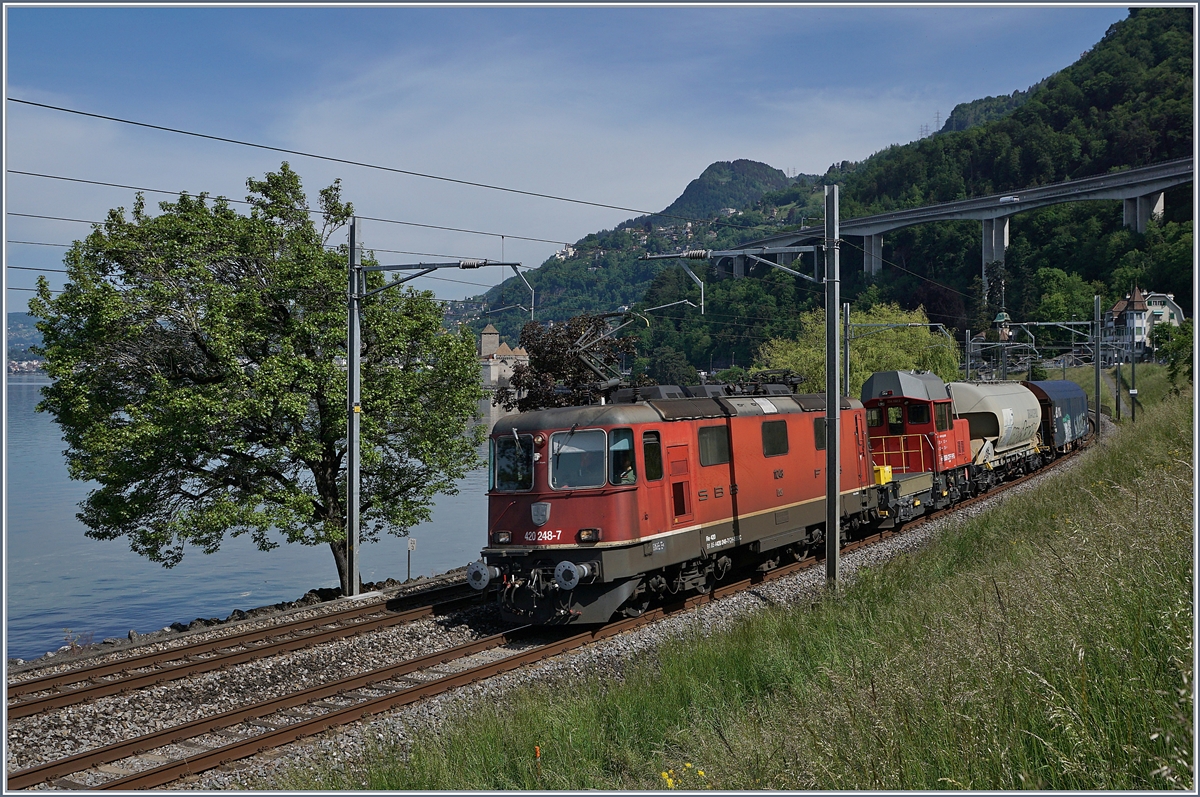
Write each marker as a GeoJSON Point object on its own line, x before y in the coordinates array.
{"type": "Point", "coordinates": [1044, 644]}
{"type": "Point", "coordinates": [1153, 385]}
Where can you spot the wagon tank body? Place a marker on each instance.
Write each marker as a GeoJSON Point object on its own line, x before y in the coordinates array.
{"type": "Point", "coordinates": [1005, 413]}
{"type": "Point", "coordinates": [1065, 416]}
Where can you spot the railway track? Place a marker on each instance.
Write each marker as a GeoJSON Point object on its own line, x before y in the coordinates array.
{"type": "Point", "coordinates": [164, 756]}
{"type": "Point", "coordinates": [59, 690]}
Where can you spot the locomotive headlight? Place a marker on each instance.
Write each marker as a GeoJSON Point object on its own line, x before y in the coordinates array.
{"type": "Point", "coordinates": [503, 537]}
{"type": "Point", "coordinates": [539, 439]}
{"type": "Point", "coordinates": [589, 535]}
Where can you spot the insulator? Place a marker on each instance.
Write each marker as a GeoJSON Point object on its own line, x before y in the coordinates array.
{"type": "Point", "coordinates": [695, 254]}
{"type": "Point", "coordinates": [471, 263]}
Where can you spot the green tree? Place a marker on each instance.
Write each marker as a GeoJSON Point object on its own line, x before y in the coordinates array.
{"type": "Point", "coordinates": [1177, 344]}
{"type": "Point", "coordinates": [199, 378]}
{"type": "Point", "coordinates": [872, 349]}
{"type": "Point", "coordinates": [671, 367]}
{"type": "Point", "coordinates": [556, 376]}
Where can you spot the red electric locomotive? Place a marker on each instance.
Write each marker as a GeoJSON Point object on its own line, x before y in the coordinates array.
{"type": "Point", "coordinates": [595, 510]}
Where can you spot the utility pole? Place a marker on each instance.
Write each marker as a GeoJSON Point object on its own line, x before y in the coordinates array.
{"type": "Point", "coordinates": [354, 409]}
{"type": "Point", "coordinates": [1096, 350]}
{"type": "Point", "coordinates": [1132, 384]}
{"type": "Point", "coordinates": [968, 352]}
{"type": "Point", "coordinates": [833, 400]}
{"type": "Point", "coordinates": [357, 291]}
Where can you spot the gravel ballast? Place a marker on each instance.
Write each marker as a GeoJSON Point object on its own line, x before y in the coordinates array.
{"type": "Point", "coordinates": [40, 738]}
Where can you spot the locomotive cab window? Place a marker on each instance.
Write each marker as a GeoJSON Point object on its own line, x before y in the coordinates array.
{"type": "Point", "coordinates": [918, 413]}
{"type": "Point", "coordinates": [621, 468]}
{"type": "Point", "coordinates": [714, 445]}
{"type": "Point", "coordinates": [512, 463]}
{"type": "Point", "coordinates": [895, 420]}
{"type": "Point", "coordinates": [652, 455]}
{"type": "Point", "coordinates": [819, 433]}
{"type": "Point", "coordinates": [577, 459]}
{"type": "Point", "coordinates": [774, 438]}
{"type": "Point", "coordinates": [941, 414]}
{"type": "Point", "coordinates": [874, 416]}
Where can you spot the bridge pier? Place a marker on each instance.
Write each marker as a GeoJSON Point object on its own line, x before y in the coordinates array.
{"type": "Point", "coordinates": [872, 254]}
{"type": "Point", "coordinates": [995, 241]}
{"type": "Point", "coordinates": [1139, 210]}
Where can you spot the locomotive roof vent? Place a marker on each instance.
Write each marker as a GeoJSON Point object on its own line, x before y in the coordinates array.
{"type": "Point", "coordinates": [648, 393]}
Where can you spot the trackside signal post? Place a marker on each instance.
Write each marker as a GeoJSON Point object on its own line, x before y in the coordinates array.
{"type": "Point", "coordinates": [357, 291]}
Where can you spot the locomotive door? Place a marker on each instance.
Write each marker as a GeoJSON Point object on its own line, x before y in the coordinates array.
{"type": "Point", "coordinates": [654, 514]}
{"type": "Point", "coordinates": [681, 485]}
{"type": "Point", "coordinates": [860, 447]}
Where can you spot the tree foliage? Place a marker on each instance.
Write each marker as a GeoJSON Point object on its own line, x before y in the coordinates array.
{"type": "Point", "coordinates": [1178, 345]}
{"type": "Point", "coordinates": [555, 375]}
{"type": "Point", "coordinates": [1126, 102]}
{"type": "Point", "coordinates": [198, 359]}
{"type": "Point", "coordinates": [871, 348]}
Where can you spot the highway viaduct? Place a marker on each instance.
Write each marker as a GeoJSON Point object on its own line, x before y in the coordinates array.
{"type": "Point", "coordinates": [1141, 190]}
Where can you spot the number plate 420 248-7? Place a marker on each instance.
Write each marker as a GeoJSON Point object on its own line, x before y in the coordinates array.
{"type": "Point", "coordinates": [543, 536]}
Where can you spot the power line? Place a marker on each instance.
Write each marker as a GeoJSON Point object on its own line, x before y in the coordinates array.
{"type": "Point", "coordinates": [38, 243]}
{"type": "Point", "coordinates": [906, 271]}
{"type": "Point", "coordinates": [64, 271]}
{"type": "Point", "coordinates": [365, 165]}
{"type": "Point", "coordinates": [327, 246]}
{"type": "Point", "coordinates": [51, 218]}
{"type": "Point", "coordinates": [310, 212]}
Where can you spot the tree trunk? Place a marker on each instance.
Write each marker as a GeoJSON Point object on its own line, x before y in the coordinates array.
{"type": "Point", "coordinates": [338, 548]}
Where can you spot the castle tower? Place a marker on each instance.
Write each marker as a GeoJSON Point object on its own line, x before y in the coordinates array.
{"type": "Point", "coordinates": [489, 341]}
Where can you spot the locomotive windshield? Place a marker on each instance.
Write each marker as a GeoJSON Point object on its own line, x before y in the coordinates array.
{"type": "Point", "coordinates": [512, 463]}
{"type": "Point", "coordinates": [577, 459]}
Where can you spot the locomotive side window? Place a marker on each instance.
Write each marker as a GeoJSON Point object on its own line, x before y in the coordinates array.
{"type": "Point", "coordinates": [775, 438]}
{"type": "Point", "coordinates": [895, 420]}
{"type": "Point", "coordinates": [918, 413]}
{"type": "Point", "coordinates": [512, 463]}
{"type": "Point", "coordinates": [714, 445]}
{"type": "Point", "coordinates": [652, 454]}
{"type": "Point", "coordinates": [941, 413]}
{"type": "Point", "coordinates": [577, 459]}
{"type": "Point", "coordinates": [819, 433]}
{"type": "Point", "coordinates": [874, 416]}
{"type": "Point", "coordinates": [621, 467]}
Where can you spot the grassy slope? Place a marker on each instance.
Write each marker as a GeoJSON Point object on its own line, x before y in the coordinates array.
{"type": "Point", "coordinates": [1046, 643]}
{"type": "Point", "coordinates": [1152, 383]}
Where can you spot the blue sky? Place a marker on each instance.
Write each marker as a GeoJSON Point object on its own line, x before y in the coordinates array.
{"type": "Point", "coordinates": [614, 105]}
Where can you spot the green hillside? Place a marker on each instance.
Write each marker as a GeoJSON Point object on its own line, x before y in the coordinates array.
{"type": "Point", "coordinates": [725, 185]}
{"type": "Point", "coordinates": [977, 112]}
{"type": "Point", "coordinates": [1127, 102]}
{"type": "Point", "coordinates": [22, 334]}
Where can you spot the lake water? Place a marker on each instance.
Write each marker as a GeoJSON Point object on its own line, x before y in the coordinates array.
{"type": "Point", "coordinates": [57, 578]}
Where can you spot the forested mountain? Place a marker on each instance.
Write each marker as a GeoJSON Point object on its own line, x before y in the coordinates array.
{"type": "Point", "coordinates": [22, 334]}
{"type": "Point", "coordinates": [1127, 102]}
{"type": "Point", "coordinates": [977, 112]}
{"type": "Point", "coordinates": [725, 185]}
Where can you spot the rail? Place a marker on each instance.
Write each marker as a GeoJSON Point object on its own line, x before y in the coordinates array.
{"type": "Point", "coordinates": [402, 683]}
